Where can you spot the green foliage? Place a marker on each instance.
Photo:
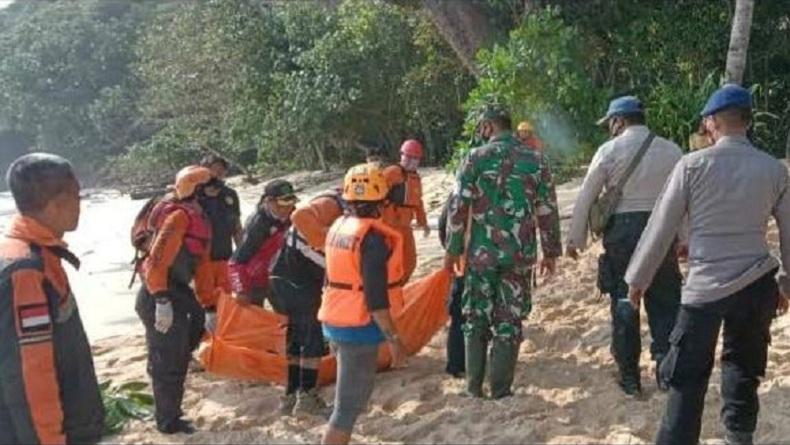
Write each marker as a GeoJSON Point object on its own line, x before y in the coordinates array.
{"type": "Point", "coordinates": [540, 76]}
{"type": "Point", "coordinates": [300, 84]}
{"type": "Point", "coordinates": [562, 64]}
{"type": "Point", "coordinates": [59, 62]}
{"type": "Point", "coordinates": [124, 403]}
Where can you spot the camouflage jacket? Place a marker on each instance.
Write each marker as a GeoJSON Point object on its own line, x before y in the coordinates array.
{"type": "Point", "coordinates": [510, 191]}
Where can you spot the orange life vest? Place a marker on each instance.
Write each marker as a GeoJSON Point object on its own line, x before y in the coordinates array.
{"type": "Point", "coordinates": [413, 189]}
{"type": "Point", "coordinates": [343, 304]}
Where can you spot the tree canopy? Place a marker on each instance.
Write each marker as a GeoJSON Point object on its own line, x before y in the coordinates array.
{"type": "Point", "coordinates": [127, 89]}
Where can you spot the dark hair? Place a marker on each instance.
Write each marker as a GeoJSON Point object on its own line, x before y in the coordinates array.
{"type": "Point", "coordinates": [365, 209]}
{"type": "Point", "coordinates": [36, 178]}
{"type": "Point", "coordinates": [744, 115]}
{"type": "Point", "coordinates": [374, 152]}
{"type": "Point", "coordinates": [211, 159]}
{"type": "Point", "coordinates": [637, 118]}
{"type": "Point", "coordinates": [503, 122]}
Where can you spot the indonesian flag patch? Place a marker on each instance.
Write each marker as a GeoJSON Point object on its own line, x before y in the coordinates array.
{"type": "Point", "coordinates": [34, 318]}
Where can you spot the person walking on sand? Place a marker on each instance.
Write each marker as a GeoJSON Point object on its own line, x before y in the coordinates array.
{"type": "Point", "coordinates": [364, 270]}
{"type": "Point", "coordinates": [48, 388]}
{"type": "Point", "coordinates": [507, 187]}
{"type": "Point", "coordinates": [172, 312]}
{"type": "Point", "coordinates": [649, 159]}
{"type": "Point", "coordinates": [297, 280]}
{"type": "Point", "coordinates": [728, 191]}
{"type": "Point", "coordinates": [405, 178]}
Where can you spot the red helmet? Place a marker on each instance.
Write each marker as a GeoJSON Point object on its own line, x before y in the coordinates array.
{"type": "Point", "coordinates": [412, 148]}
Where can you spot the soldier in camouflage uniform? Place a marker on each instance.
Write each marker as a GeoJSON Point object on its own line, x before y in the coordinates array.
{"type": "Point", "coordinates": [509, 191]}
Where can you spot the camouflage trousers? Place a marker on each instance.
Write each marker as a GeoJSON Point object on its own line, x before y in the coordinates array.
{"type": "Point", "coordinates": [496, 302]}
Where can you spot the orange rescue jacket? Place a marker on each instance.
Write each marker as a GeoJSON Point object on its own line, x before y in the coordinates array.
{"type": "Point", "coordinates": [343, 304]}
{"type": "Point", "coordinates": [49, 389]}
{"type": "Point", "coordinates": [413, 207]}
{"type": "Point", "coordinates": [180, 254]}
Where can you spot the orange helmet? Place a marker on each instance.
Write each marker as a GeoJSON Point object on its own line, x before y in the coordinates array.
{"type": "Point", "coordinates": [525, 126]}
{"type": "Point", "coordinates": [412, 148]}
{"type": "Point", "coordinates": [188, 180]}
{"type": "Point", "coordinates": [365, 182]}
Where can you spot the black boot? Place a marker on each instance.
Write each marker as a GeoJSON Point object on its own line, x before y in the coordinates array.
{"type": "Point", "coordinates": [476, 351]}
{"type": "Point", "coordinates": [738, 438]}
{"type": "Point", "coordinates": [504, 355]}
{"type": "Point", "coordinates": [661, 384]}
{"type": "Point", "coordinates": [626, 346]}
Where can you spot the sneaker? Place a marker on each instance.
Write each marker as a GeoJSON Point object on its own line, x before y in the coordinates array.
{"type": "Point", "coordinates": [179, 426]}
{"type": "Point", "coordinates": [287, 403]}
{"type": "Point", "coordinates": [309, 403]}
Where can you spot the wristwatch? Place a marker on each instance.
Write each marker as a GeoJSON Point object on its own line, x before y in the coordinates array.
{"type": "Point", "coordinates": [391, 337]}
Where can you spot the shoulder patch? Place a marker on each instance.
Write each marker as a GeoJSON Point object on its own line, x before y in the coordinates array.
{"type": "Point", "coordinates": [34, 318]}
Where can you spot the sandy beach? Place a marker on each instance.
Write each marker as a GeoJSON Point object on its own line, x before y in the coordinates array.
{"type": "Point", "coordinates": [565, 388]}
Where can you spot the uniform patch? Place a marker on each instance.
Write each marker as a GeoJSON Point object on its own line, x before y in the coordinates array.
{"type": "Point", "coordinates": [34, 318]}
{"type": "Point", "coordinates": [229, 200]}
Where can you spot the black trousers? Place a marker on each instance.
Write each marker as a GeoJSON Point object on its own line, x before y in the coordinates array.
{"type": "Point", "coordinates": [662, 298]}
{"type": "Point", "coordinates": [169, 353]}
{"type": "Point", "coordinates": [456, 353]}
{"type": "Point", "coordinates": [746, 316]}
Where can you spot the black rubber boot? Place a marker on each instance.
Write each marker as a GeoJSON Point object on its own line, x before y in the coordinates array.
{"type": "Point", "coordinates": [476, 351]}
{"type": "Point", "coordinates": [663, 385]}
{"type": "Point", "coordinates": [504, 355]}
{"type": "Point", "coordinates": [626, 346]}
{"type": "Point", "coordinates": [738, 438]}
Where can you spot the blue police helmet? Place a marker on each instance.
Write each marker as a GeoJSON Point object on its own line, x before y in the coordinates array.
{"type": "Point", "coordinates": [622, 106]}
{"type": "Point", "coordinates": [728, 96]}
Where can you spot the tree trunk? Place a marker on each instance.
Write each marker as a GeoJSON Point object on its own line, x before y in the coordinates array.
{"type": "Point", "coordinates": [739, 41]}
{"type": "Point", "coordinates": [319, 151]}
{"type": "Point", "coordinates": [787, 149]}
{"type": "Point", "coordinates": [464, 25]}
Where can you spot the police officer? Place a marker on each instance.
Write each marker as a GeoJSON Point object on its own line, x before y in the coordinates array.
{"type": "Point", "coordinates": [507, 187]}
{"type": "Point", "coordinates": [728, 191]}
{"type": "Point", "coordinates": [625, 120]}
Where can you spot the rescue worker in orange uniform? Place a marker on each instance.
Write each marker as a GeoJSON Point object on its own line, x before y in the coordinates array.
{"type": "Point", "coordinates": [404, 179]}
{"type": "Point", "coordinates": [526, 134]}
{"type": "Point", "coordinates": [172, 313]}
{"type": "Point", "coordinates": [364, 267]}
{"type": "Point", "coordinates": [297, 280]}
{"type": "Point", "coordinates": [48, 388]}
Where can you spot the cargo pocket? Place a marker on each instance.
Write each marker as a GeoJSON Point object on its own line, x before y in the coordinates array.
{"type": "Point", "coordinates": [668, 370]}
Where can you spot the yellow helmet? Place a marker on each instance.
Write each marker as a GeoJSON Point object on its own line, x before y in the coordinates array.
{"type": "Point", "coordinates": [365, 182]}
{"type": "Point", "coordinates": [188, 180]}
{"type": "Point", "coordinates": [525, 126]}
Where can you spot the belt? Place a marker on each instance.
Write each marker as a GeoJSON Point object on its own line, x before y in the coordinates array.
{"type": "Point", "coordinates": [346, 286]}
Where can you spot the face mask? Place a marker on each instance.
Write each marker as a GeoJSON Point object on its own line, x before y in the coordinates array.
{"type": "Point", "coordinates": [409, 163]}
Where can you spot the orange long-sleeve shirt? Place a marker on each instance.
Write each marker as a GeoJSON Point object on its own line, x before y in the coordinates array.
{"type": "Point", "coordinates": [314, 220]}
{"type": "Point", "coordinates": [168, 261]}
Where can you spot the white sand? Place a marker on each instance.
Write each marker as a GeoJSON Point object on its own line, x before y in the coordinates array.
{"type": "Point", "coordinates": [565, 389]}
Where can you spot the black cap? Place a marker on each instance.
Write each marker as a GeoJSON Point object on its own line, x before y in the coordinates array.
{"type": "Point", "coordinates": [279, 189]}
